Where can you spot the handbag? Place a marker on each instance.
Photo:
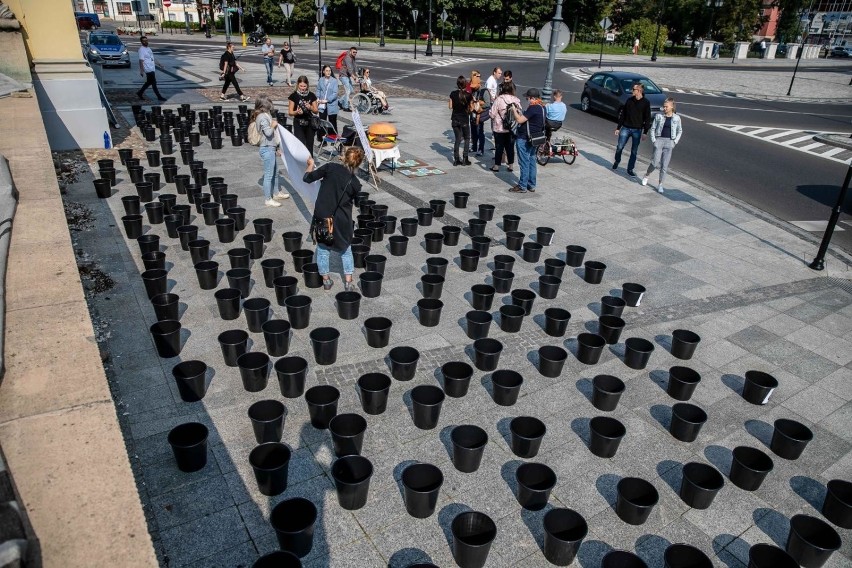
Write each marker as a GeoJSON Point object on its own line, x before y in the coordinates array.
{"type": "Point", "coordinates": [315, 122]}
{"type": "Point", "coordinates": [539, 137]}
{"type": "Point", "coordinates": [322, 229]}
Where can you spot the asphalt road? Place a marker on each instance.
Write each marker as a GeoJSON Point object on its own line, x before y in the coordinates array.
{"type": "Point", "coordinates": [790, 184]}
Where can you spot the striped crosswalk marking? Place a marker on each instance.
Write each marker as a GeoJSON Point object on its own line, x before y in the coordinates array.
{"type": "Point", "coordinates": [799, 140]}
{"type": "Point", "coordinates": [447, 61]}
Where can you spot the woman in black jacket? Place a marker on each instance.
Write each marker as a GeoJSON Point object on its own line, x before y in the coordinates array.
{"type": "Point", "coordinates": [336, 195]}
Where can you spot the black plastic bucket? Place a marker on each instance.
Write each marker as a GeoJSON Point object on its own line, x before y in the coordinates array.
{"type": "Point", "coordinates": [398, 245]}
{"type": "Point", "coordinates": [551, 360]}
{"type": "Point", "coordinates": [473, 533]}
{"type": "Point", "coordinates": [292, 372]}
{"type": "Point", "coordinates": [189, 446]}
{"type": "Point", "coordinates": [233, 343]}
{"type": "Point", "coordinates": [514, 240]}
{"type": "Point", "coordinates": [207, 272]}
{"type": "Point", "coordinates": [322, 405]}
{"type": "Point", "coordinates": [790, 438]}
{"type": "Point", "coordinates": [403, 362]}
{"type": "Point", "coordinates": [238, 214]}
{"type": "Point", "coordinates": [378, 331]}
{"type": "Point", "coordinates": [476, 227]}
{"type": "Point", "coordinates": [811, 541]}
{"type": "Point", "coordinates": [433, 242]}
{"type": "Point", "coordinates": [348, 304]}
{"type": "Point", "coordinates": [523, 298]}
{"type": "Point", "coordinates": [190, 377]}
{"type": "Point", "coordinates": [511, 318]}
{"type": "Point", "coordinates": [437, 265]}
{"type": "Point", "coordinates": [687, 420]}
{"type": "Point", "coordinates": [606, 436]}
{"type": "Point", "coordinates": [511, 223]}
{"type": "Point", "coordinates": [554, 267]}
{"type": "Point", "coordinates": [610, 327]}
{"type": "Point", "coordinates": [635, 499]}
{"type": "Point", "coordinates": [187, 233]}
{"type": "Point", "coordinates": [199, 250]}
{"type": "Point", "coordinates": [371, 284]}
{"type": "Point", "coordinates": [685, 556]}
{"type": "Point", "coordinates": [622, 559]}
{"type": "Point", "coordinates": [468, 443]}
{"type": "Point", "coordinates": [103, 187]}
{"type": "Point", "coordinates": [148, 243]}
{"type": "Point", "coordinates": [506, 385]}
{"type": "Point", "coordinates": [469, 260]}
{"type": "Point", "coordinates": [768, 556]}
{"type": "Point", "coordinates": [210, 210]}
{"type": "Point", "coordinates": [480, 245]}
{"type": "Point", "coordinates": [276, 335]}
{"type": "Point", "coordinates": [257, 312]}
{"type": "Point", "coordinates": [612, 306]}
{"type": "Point", "coordinates": [478, 324]}
{"type": "Point", "coordinates": [166, 306]}
{"type": "Point", "coordinates": [758, 387]}
{"type": "Point", "coordinates": [155, 211]}
{"type": "Point", "coordinates": [502, 280]}
{"type": "Point", "coordinates": [432, 285]}
{"type": "Point", "coordinates": [324, 341]}
{"type": "Point", "coordinates": [486, 211]}
{"type": "Point", "coordinates": [285, 286]}
{"type": "Point", "coordinates": [532, 252]}
{"type": "Point", "coordinates": [504, 262]}
{"type": "Point", "coordinates": [682, 382]}
{"type": "Point", "coordinates": [154, 260]}
{"type": "Point", "coordinates": [132, 205]}
{"type": "Point", "coordinates": [590, 346]}
{"type": "Point", "coordinates": [293, 521]}
{"type": "Point", "coordinates": [254, 370]}
{"type": "Point", "coordinates": [424, 216]}
{"type": "Point", "coordinates": [228, 302]}
{"type": "Point", "coordinates": [408, 226]}
{"type": "Point", "coordinates": [311, 275]}
{"type": "Point", "coordinates": [352, 476]}
{"type": "Point", "coordinates": [564, 531]}
{"type": "Point", "coordinates": [298, 311]}
{"type": "Point", "coordinates": [255, 245]}
{"type": "Point", "coordinates": [359, 254]}
{"type": "Point", "coordinates": [594, 271]}
{"type": "Point", "coordinates": [378, 231]}
{"type": "Point", "coordinates": [270, 462]}
{"type": "Point", "coordinates": [428, 311]}
{"type": "Point", "coordinates": [548, 286]}
{"type": "Point", "coordinates": [347, 434]}
{"type": "Point", "coordinates": [487, 353]}
{"type": "Point", "coordinates": [185, 211]}
{"type": "Point", "coordinates": [292, 241]}
{"type": "Point", "coordinates": [302, 257]}
{"type": "Point", "coordinates": [637, 352]}
{"type": "Point", "coordinates": [374, 389]}
{"type": "Point", "coordinates": [457, 375]}
{"type": "Point", "coordinates": [749, 468]}
{"type": "Point", "coordinates": [544, 235]}
{"type": "Point", "coordinates": [574, 255]}
{"type": "Point", "coordinates": [535, 482]}
{"type": "Point", "coordinates": [460, 199]}
{"type": "Point", "coordinates": [606, 392]}
{"type": "Point", "coordinates": [632, 293]}
{"type": "Point", "coordinates": [272, 268]}
{"type": "Point", "coordinates": [451, 235]}
{"type": "Point", "coordinates": [701, 483]}
{"type": "Point", "coordinates": [426, 401]}
{"type": "Point", "coordinates": [421, 484]}
{"type": "Point", "coordinates": [482, 296]}
{"type": "Point", "coordinates": [240, 279]}
{"type": "Point", "coordinates": [364, 219]}
{"type": "Point", "coordinates": [684, 343]}
{"type": "Point", "coordinates": [166, 335]}
{"type": "Point", "coordinates": [837, 506]}
{"type": "Point", "coordinates": [438, 206]}
{"type": "Point", "coordinates": [172, 222]}
{"type": "Point", "coordinates": [556, 321]}
{"type": "Point", "coordinates": [526, 434]}
{"type": "Point", "coordinates": [267, 420]}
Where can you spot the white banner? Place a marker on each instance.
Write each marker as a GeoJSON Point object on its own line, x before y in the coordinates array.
{"type": "Point", "coordinates": [362, 134]}
{"type": "Point", "coordinates": [295, 157]}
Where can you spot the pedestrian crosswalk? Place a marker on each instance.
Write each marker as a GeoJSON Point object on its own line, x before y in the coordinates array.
{"type": "Point", "coordinates": [447, 61]}
{"type": "Point", "coordinates": [799, 140]}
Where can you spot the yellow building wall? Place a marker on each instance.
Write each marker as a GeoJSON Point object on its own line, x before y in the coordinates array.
{"type": "Point", "coordinates": [50, 30]}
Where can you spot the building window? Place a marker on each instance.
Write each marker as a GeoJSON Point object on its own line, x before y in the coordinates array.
{"type": "Point", "coordinates": [123, 8]}
{"type": "Point", "coordinates": [99, 7]}
{"type": "Point", "coordinates": [172, 17]}
{"type": "Point", "coordinates": [152, 6]}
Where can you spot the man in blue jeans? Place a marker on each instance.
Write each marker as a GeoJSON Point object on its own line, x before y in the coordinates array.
{"type": "Point", "coordinates": [268, 52]}
{"type": "Point", "coordinates": [348, 76]}
{"type": "Point", "coordinates": [634, 121]}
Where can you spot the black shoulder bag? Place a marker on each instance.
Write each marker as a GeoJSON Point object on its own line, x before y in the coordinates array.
{"type": "Point", "coordinates": [538, 138]}
{"type": "Point", "coordinates": [322, 229]}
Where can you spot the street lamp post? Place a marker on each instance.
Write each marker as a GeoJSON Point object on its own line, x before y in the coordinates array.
{"type": "Point", "coordinates": [555, 27]}
{"type": "Point", "coordinates": [382, 25]}
{"type": "Point", "coordinates": [443, 25]}
{"type": "Point", "coordinates": [429, 32]}
{"type": "Point", "coordinates": [838, 141]}
{"type": "Point", "coordinates": [414, 15]}
{"type": "Point", "coordinates": [713, 5]}
{"type": "Point", "coordinates": [657, 34]}
{"type": "Point", "coordinates": [801, 47]}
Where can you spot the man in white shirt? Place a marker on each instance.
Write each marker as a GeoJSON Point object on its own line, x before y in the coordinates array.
{"type": "Point", "coordinates": [147, 69]}
{"type": "Point", "coordinates": [268, 52]}
{"type": "Point", "coordinates": [493, 82]}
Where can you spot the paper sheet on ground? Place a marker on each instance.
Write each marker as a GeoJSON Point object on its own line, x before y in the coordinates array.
{"type": "Point", "coordinates": [295, 157]}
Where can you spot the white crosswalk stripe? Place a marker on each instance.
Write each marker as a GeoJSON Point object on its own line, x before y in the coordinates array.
{"type": "Point", "coordinates": [799, 140]}
{"type": "Point", "coordinates": [447, 61]}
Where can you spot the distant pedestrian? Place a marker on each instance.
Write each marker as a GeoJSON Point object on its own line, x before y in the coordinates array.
{"type": "Point", "coordinates": [493, 82]}
{"type": "Point", "coordinates": [302, 106]}
{"type": "Point", "coordinates": [338, 189]}
{"type": "Point", "coordinates": [348, 75]}
{"type": "Point", "coordinates": [267, 126]}
{"type": "Point", "coordinates": [288, 59]}
{"type": "Point", "coordinates": [459, 106]}
{"type": "Point", "coordinates": [316, 33]}
{"type": "Point", "coordinates": [480, 104]}
{"type": "Point", "coordinates": [530, 124]}
{"type": "Point", "coordinates": [228, 68]}
{"type": "Point", "coordinates": [147, 69]}
{"type": "Point", "coordinates": [636, 46]}
{"type": "Point", "coordinates": [665, 134]}
{"type": "Point", "coordinates": [634, 120]}
{"type": "Point", "coordinates": [503, 136]}
{"type": "Point", "coordinates": [763, 48]}
{"type": "Point", "coordinates": [268, 52]}
{"type": "Point", "coordinates": [327, 88]}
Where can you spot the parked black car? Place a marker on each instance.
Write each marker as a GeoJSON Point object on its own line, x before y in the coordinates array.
{"type": "Point", "coordinates": [841, 51]}
{"type": "Point", "coordinates": [609, 90]}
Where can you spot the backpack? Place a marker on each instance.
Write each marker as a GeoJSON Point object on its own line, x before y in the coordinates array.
{"type": "Point", "coordinates": [509, 120]}
{"type": "Point", "coordinates": [339, 63]}
{"type": "Point", "coordinates": [253, 134]}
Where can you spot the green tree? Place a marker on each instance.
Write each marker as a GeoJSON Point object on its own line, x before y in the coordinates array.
{"type": "Point", "coordinates": [789, 24]}
{"type": "Point", "coordinates": [644, 29]}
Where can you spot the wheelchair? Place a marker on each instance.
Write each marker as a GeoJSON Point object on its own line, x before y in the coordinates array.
{"type": "Point", "coordinates": [366, 102]}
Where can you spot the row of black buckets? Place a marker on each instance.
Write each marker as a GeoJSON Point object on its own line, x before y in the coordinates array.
{"type": "Point", "coordinates": [352, 472]}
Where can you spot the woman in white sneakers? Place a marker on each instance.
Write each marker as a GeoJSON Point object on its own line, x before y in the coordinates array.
{"type": "Point", "coordinates": [269, 151]}
{"type": "Point", "coordinates": [665, 134]}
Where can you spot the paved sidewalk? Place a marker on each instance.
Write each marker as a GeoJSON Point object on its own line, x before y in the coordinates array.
{"type": "Point", "coordinates": [709, 266]}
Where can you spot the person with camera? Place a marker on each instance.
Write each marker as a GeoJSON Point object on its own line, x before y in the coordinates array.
{"type": "Point", "coordinates": [303, 106]}
{"type": "Point", "coordinates": [331, 226]}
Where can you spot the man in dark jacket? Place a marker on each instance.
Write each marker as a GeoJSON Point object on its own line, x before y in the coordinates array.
{"type": "Point", "coordinates": [634, 121]}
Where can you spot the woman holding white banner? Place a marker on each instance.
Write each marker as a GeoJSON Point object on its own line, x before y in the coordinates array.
{"type": "Point", "coordinates": [337, 192]}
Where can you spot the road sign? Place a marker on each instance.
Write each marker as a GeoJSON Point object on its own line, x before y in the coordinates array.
{"type": "Point", "coordinates": [605, 23]}
{"type": "Point", "coordinates": [320, 17]}
{"type": "Point", "coordinates": [414, 14]}
{"type": "Point", "coordinates": [610, 37]}
{"type": "Point", "coordinates": [167, 3]}
{"type": "Point", "coordinates": [287, 9]}
{"type": "Point", "coordinates": [562, 37]}
{"type": "Point", "coordinates": [319, 3]}
{"type": "Point", "coordinates": [444, 16]}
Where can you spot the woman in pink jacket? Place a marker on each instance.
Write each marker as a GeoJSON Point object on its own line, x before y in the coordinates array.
{"type": "Point", "coordinates": [503, 137]}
